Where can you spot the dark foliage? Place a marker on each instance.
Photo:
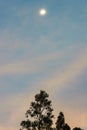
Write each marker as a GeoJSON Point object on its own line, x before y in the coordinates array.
{"type": "Point", "coordinates": [66, 127]}
{"type": "Point", "coordinates": [77, 128]}
{"type": "Point", "coordinates": [60, 123]}
{"type": "Point", "coordinates": [39, 116]}
{"type": "Point", "coordinates": [41, 112]}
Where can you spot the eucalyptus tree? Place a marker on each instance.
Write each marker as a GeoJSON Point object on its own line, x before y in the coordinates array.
{"type": "Point", "coordinates": [39, 115]}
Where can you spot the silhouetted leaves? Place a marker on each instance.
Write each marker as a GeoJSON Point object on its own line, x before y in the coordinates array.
{"type": "Point", "coordinates": [66, 127]}
{"type": "Point", "coordinates": [60, 121]}
{"type": "Point", "coordinates": [41, 112]}
{"type": "Point", "coordinates": [77, 128]}
{"type": "Point", "coordinates": [39, 116]}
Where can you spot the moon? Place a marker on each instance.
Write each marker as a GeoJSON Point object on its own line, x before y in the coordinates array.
{"type": "Point", "coordinates": [42, 12]}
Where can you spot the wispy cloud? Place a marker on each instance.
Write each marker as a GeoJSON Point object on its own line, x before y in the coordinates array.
{"type": "Point", "coordinates": [31, 66]}
{"type": "Point", "coordinates": [39, 62]}
{"type": "Point", "coordinates": [69, 74]}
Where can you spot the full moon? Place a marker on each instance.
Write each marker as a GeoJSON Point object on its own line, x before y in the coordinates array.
{"type": "Point", "coordinates": [42, 12]}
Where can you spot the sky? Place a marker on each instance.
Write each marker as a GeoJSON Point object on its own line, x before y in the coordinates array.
{"type": "Point", "coordinates": [46, 52]}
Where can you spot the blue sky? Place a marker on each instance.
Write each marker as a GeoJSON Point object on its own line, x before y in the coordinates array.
{"type": "Point", "coordinates": [43, 52]}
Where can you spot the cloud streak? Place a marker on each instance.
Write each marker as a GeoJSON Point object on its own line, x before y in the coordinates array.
{"type": "Point", "coordinates": [69, 74]}
{"type": "Point", "coordinates": [34, 65]}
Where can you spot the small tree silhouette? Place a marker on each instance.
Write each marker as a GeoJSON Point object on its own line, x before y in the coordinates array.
{"type": "Point", "coordinates": [60, 123]}
{"type": "Point", "coordinates": [41, 112]}
{"type": "Point", "coordinates": [66, 127]}
{"type": "Point", "coordinates": [77, 128]}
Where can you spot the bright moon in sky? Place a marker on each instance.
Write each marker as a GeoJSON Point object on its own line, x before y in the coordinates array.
{"type": "Point", "coordinates": [42, 12]}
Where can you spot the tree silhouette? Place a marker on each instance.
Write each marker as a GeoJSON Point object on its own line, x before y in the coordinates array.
{"type": "Point", "coordinates": [66, 127]}
{"type": "Point", "coordinates": [39, 115]}
{"type": "Point", "coordinates": [60, 123]}
{"type": "Point", "coordinates": [77, 128]}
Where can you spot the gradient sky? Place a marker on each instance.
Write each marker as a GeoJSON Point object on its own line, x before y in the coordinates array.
{"type": "Point", "coordinates": [43, 53]}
